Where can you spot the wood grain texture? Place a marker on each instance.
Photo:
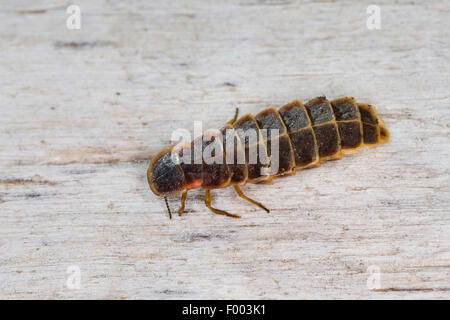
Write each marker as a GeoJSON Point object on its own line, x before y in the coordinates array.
{"type": "Point", "coordinates": [83, 111]}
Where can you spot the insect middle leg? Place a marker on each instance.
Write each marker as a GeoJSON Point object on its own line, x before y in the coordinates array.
{"type": "Point", "coordinates": [243, 196]}
{"type": "Point", "coordinates": [208, 204]}
{"type": "Point", "coordinates": [183, 200]}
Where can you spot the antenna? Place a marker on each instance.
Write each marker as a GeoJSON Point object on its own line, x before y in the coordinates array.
{"type": "Point", "coordinates": [168, 209]}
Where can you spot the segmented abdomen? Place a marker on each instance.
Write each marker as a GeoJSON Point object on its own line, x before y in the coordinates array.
{"type": "Point", "coordinates": [307, 134]}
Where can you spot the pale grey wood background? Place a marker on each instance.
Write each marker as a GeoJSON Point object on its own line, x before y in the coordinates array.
{"type": "Point", "coordinates": [83, 111]}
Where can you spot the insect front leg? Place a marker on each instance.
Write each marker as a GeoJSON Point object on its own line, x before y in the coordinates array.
{"type": "Point", "coordinates": [183, 200]}
{"type": "Point", "coordinates": [235, 117]}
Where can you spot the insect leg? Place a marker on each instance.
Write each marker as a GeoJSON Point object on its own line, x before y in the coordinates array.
{"type": "Point", "coordinates": [235, 117]}
{"type": "Point", "coordinates": [208, 204]}
{"type": "Point", "coordinates": [183, 200]}
{"type": "Point", "coordinates": [243, 196]}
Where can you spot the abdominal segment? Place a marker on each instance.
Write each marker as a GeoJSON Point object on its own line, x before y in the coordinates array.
{"type": "Point", "coordinates": [278, 142]}
{"type": "Point", "coordinates": [349, 123]}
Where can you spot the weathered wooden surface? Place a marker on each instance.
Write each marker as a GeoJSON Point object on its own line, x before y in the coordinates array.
{"type": "Point", "coordinates": [83, 111]}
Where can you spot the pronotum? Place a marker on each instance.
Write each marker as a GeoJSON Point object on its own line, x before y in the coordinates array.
{"type": "Point", "coordinates": [307, 134]}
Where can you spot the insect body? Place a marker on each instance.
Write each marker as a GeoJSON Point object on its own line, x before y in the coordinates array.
{"type": "Point", "coordinates": [305, 135]}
